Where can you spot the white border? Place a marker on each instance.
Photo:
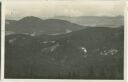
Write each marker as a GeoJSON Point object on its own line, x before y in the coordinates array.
{"type": "Point", "coordinates": [125, 40]}
{"type": "Point", "coordinates": [60, 80]}
{"type": "Point", "coordinates": [2, 38]}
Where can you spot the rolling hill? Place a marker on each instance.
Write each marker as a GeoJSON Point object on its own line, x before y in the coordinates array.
{"type": "Point", "coordinates": [91, 53]}
{"type": "Point", "coordinates": [37, 26]}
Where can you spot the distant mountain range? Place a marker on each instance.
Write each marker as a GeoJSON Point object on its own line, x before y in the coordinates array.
{"type": "Point", "coordinates": [59, 25]}
{"type": "Point", "coordinates": [99, 21]}
{"type": "Point", "coordinates": [38, 26]}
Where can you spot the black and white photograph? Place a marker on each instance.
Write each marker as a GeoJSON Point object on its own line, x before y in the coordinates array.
{"type": "Point", "coordinates": [64, 40]}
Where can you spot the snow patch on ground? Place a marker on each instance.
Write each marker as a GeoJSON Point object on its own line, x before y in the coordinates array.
{"type": "Point", "coordinates": [51, 48]}
{"type": "Point", "coordinates": [12, 40]}
{"type": "Point", "coordinates": [84, 50]}
{"type": "Point", "coordinates": [111, 51]}
{"type": "Point", "coordinates": [45, 42]}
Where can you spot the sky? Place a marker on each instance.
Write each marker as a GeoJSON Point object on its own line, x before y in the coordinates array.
{"type": "Point", "coordinates": [50, 8]}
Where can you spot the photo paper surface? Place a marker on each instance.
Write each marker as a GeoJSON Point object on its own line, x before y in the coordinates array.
{"type": "Point", "coordinates": [64, 40]}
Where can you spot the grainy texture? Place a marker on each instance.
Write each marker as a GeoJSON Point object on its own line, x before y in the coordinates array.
{"type": "Point", "coordinates": [61, 47]}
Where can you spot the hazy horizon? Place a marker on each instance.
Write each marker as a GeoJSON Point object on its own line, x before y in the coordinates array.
{"type": "Point", "coordinates": [49, 9]}
{"type": "Point", "coordinates": [57, 17]}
